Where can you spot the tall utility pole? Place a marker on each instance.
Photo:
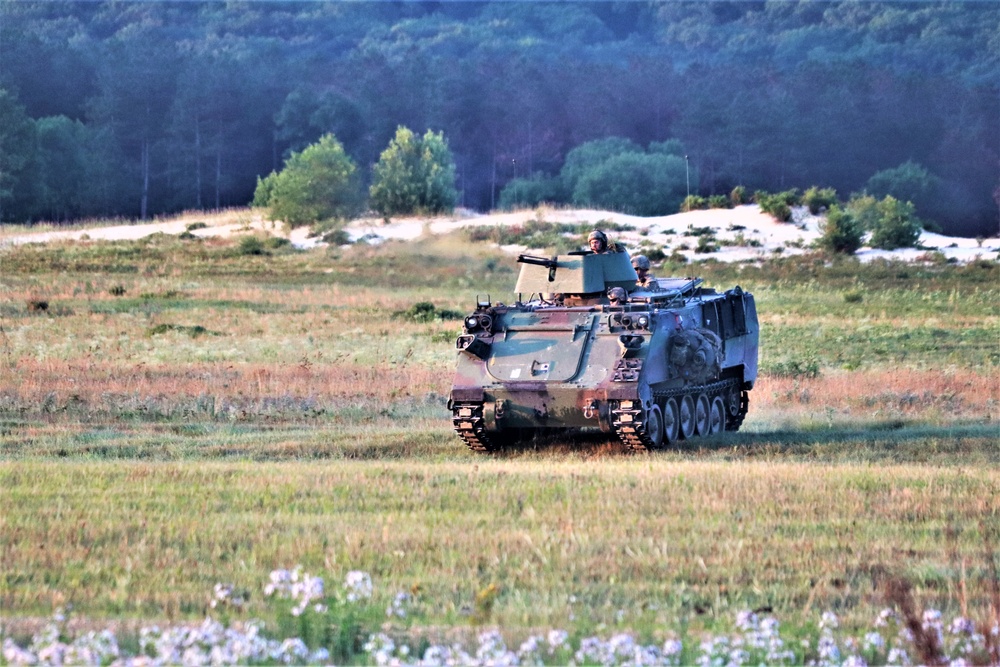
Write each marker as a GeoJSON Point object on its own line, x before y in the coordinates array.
{"type": "Point", "coordinates": [687, 174]}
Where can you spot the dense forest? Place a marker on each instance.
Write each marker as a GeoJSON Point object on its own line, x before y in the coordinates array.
{"type": "Point", "coordinates": [141, 108]}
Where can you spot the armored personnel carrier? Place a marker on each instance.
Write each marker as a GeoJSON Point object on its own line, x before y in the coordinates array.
{"type": "Point", "coordinates": [589, 350]}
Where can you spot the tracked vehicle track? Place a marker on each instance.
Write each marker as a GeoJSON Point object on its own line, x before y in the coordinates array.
{"type": "Point", "coordinates": [628, 419]}
{"type": "Point", "coordinates": [468, 421]}
{"type": "Point", "coordinates": [630, 427]}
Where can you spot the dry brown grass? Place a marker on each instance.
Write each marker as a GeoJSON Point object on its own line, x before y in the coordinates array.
{"type": "Point", "coordinates": [938, 395]}
{"type": "Point", "coordinates": [88, 381]}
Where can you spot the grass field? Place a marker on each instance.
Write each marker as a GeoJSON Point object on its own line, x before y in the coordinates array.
{"type": "Point", "coordinates": [181, 413]}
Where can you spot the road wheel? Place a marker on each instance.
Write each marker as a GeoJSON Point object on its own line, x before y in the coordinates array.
{"type": "Point", "coordinates": [671, 421]}
{"type": "Point", "coordinates": [717, 419]}
{"type": "Point", "coordinates": [702, 414]}
{"type": "Point", "coordinates": [654, 427]}
{"type": "Point", "coordinates": [686, 408]}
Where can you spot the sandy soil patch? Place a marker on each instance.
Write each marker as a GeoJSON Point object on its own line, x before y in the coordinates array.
{"type": "Point", "coordinates": [741, 234]}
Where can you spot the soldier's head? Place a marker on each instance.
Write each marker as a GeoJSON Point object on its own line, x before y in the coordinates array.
{"type": "Point", "coordinates": [617, 296]}
{"type": "Point", "coordinates": [598, 241]}
{"type": "Point", "coordinates": [641, 265]}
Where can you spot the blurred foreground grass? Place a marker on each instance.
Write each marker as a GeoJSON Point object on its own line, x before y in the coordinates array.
{"type": "Point", "coordinates": [575, 540]}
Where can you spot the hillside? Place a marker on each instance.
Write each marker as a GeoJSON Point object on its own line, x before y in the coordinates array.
{"type": "Point", "coordinates": [144, 109]}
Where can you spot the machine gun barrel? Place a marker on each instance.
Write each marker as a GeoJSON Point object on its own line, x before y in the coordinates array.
{"type": "Point", "coordinates": [547, 262]}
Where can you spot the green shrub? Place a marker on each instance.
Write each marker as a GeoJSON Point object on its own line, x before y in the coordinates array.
{"type": "Point", "coordinates": [706, 244]}
{"type": "Point", "coordinates": [854, 296]}
{"type": "Point", "coordinates": [738, 196]}
{"type": "Point", "coordinates": [778, 205]}
{"type": "Point", "coordinates": [818, 199]}
{"type": "Point", "coordinates": [425, 311]}
{"type": "Point", "coordinates": [693, 203]}
{"type": "Point", "coordinates": [196, 225]}
{"type": "Point", "coordinates": [841, 232]}
{"type": "Point", "coordinates": [337, 237]}
{"type": "Point", "coordinates": [909, 182]}
{"type": "Point", "coordinates": [316, 184]}
{"type": "Point", "coordinates": [634, 183]}
{"type": "Point", "coordinates": [192, 331]}
{"type": "Point", "coordinates": [414, 175]}
{"type": "Point", "coordinates": [117, 290]}
{"type": "Point", "coordinates": [794, 369]}
{"type": "Point", "coordinates": [654, 254]}
{"type": "Point", "coordinates": [250, 245]}
{"type": "Point", "coordinates": [590, 155]}
{"type": "Point", "coordinates": [892, 222]}
{"type": "Point", "coordinates": [532, 191]}
{"type": "Point", "coordinates": [277, 243]}
{"type": "Point", "coordinates": [719, 201]}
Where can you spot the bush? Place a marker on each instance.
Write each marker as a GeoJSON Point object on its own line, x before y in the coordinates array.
{"type": "Point", "coordinates": [654, 254]}
{"type": "Point", "coordinates": [897, 227]}
{"type": "Point", "coordinates": [738, 196]}
{"type": "Point", "coordinates": [909, 182]}
{"type": "Point", "coordinates": [414, 175]}
{"type": "Point", "coordinates": [854, 296]}
{"type": "Point", "coordinates": [425, 311]}
{"type": "Point", "coordinates": [530, 192]}
{"type": "Point", "coordinates": [706, 244]}
{"type": "Point", "coordinates": [818, 199]}
{"type": "Point", "coordinates": [693, 203]}
{"type": "Point", "coordinates": [794, 368]}
{"type": "Point", "coordinates": [316, 184]}
{"type": "Point", "coordinates": [251, 245]}
{"type": "Point", "coordinates": [634, 183]}
{"type": "Point", "coordinates": [337, 237]}
{"type": "Point", "coordinates": [719, 201]}
{"type": "Point", "coordinates": [618, 174]}
{"type": "Point", "coordinates": [778, 205]}
{"type": "Point", "coordinates": [892, 222]}
{"type": "Point", "coordinates": [841, 232]}
{"type": "Point", "coordinates": [592, 154]}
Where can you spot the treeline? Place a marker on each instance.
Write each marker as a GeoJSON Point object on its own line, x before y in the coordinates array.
{"type": "Point", "coordinates": [136, 109]}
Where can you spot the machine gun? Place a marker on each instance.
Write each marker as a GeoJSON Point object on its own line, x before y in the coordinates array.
{"type": "Point", "coordinates": [548, 262]}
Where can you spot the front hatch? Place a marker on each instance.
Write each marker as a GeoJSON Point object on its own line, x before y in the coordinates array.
{"type": "Point", "coordinates": [540, 347]}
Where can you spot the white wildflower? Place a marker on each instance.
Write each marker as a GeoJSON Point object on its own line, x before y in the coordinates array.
{"type": "Point", "coordinates": [358, 585]}
{"type": "Point", "coordinates": [962, 626]}
{"type": "Point", "coordinates": [398, 605]}
{"type": "Point", "coordinates": [874, 641]}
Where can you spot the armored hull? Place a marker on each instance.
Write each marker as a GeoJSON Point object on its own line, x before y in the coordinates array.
{"type": "Point", "coordinates": [671, 361]}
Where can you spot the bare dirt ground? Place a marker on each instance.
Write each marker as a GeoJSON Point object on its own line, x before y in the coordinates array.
{"type": "Point", "coordinates": [743, 233]}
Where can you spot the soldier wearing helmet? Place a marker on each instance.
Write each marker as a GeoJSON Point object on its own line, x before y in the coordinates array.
{"type": "Point", "coordinates": [598, 241]}
{"type": "Point", "coordinates": [617, 296]}
{"type": "Point", "coordinates": [641, 265]}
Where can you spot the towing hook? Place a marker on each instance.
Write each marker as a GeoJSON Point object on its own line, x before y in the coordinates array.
{"type": "Point", "coordinates": [589, 409]}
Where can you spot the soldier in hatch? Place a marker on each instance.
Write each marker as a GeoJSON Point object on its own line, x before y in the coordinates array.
{"type": "Point", "coordinates": [598, 241]}
{"type": "Point", "coordinates": [646, 279]}
{"type": "Point", "coordinates": [617, 296]}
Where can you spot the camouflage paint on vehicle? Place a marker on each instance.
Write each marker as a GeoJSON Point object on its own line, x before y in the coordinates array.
{"type": "Point", "coordinates": [673, 360]}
